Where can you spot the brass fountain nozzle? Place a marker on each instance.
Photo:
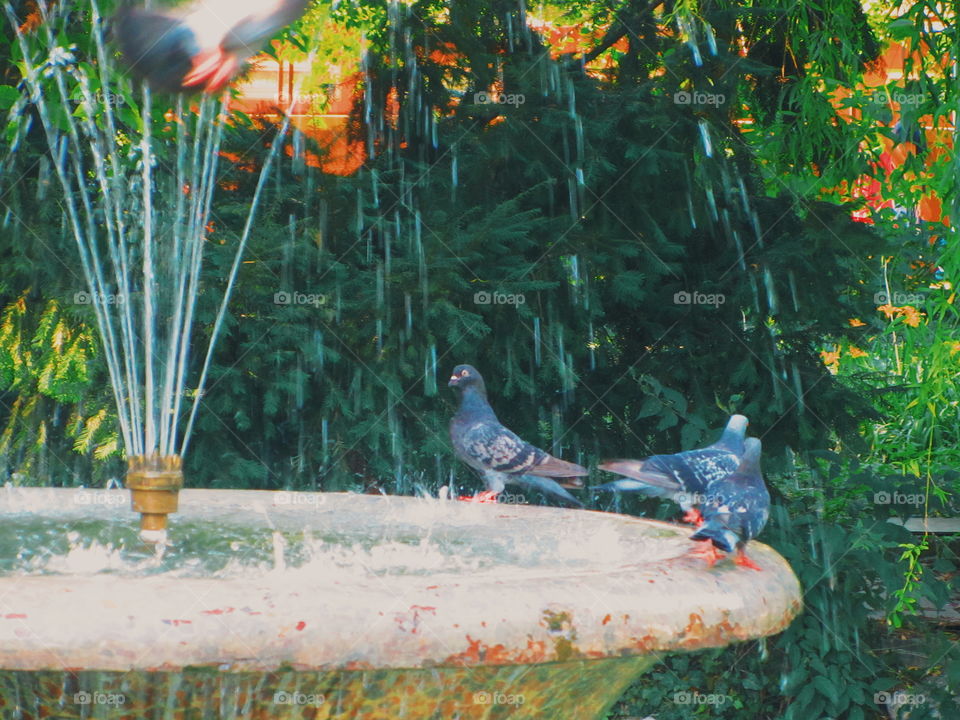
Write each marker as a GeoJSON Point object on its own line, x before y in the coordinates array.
{"type": "Point", "coordinates": [154, 482]}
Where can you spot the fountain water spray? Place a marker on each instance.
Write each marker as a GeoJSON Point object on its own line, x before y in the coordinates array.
{"type": "Point", "coordinates": [138, 203]}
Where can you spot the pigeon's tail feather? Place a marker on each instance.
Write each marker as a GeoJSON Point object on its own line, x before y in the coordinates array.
{"type": "Point", "coordinates": [555, 467]}
{"type": "Point", "coordinates": [721, 536]}
{"type": "Point", "coordinates": [635, 469]}
{"type": "Point", "coordinates": [157, 47]}
{"type": "Point", "coordinates": [631, 485]}
{"type": "Point", "coordinates": [549, 488]}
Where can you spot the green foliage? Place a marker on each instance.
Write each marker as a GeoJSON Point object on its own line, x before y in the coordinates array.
{"type": "Point", "coordinates": [44, 372]}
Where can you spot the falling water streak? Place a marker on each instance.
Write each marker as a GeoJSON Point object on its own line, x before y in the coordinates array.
{"type": "Point", "coordinates": [556, 426]}
{"type": "Point", "coordinates": [798, 387]}
{"type": "Point", "coordinates": [430, 371]}
{"type": "Point", "coordinates": [325, 439]}
{"type": "Point", "coordinates": [772, 302]}
{"type": "Point", "coordinates": [685, 26]}
{"type": "Point", "coordinates": [791, 278]}
{"type": "Point", "coordinates": [454, 175]}
{"type": "Point", "coordinates": [711, 38]}
{"type": "Point", "coordinates": [705, 137]}
{"type": "Point", "coordinates": [536, 341]}
{"type": "Point", "coordinates": [572, 195]}
{"type": "Point", "coordinates": [712, 203]}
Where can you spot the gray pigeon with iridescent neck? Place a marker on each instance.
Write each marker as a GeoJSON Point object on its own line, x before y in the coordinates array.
{"type": "Point", "coordinates": [736, 508]}
{"type": "Point", "coordinates": [685, 476]}
{"type": "Point", "coordinates": [498, 454]}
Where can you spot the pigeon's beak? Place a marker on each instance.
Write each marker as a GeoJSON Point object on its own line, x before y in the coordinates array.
{"type": "Point", "coordinates": [454, 379]}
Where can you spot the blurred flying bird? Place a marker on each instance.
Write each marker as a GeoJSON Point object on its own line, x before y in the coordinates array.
{"type": "Point", "coordinates": [736, 508]}
{"type": "Point", "coordinates": [684, 476]}
{"type": "Point", "coordinates": [498, 454]}
{"type": "Point", "coordinates": [202, 45]}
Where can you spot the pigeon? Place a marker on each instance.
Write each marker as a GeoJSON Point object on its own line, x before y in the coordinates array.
{"type": "Point", "coordinates": [201, 45]}
{"type": "Point", "coordinates": [498, 454]}
{"type": "Point", "coordinates": [736, 508]}
{"type": "Point", "coordinates": [685, 476]}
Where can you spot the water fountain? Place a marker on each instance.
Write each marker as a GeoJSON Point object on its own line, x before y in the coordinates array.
{"type": "Point", "coordinates": [284, 604]}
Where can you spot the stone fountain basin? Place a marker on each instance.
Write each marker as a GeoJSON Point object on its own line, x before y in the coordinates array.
{"type": "Point", "coordinates": [391, 583]}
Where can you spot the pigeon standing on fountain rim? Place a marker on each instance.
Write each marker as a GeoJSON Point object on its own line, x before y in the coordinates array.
{"type": "Point", "coordinates": [736, 508]}
{"type": "Point", "coordinates": [497, 453]}
{"type": "Point", "coordinates": [683, 477]}
{"type": "Point", "coordinates": [202, 45]}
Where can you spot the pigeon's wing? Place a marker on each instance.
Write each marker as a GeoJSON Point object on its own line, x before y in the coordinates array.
{"type": "Point", "coordinates": [645, 477]}
{"type": "Point", "coordinates": [753, 507]}
{"type": "Point", "coordinates": [263, 22]}
{"type": "Point", "coordinates": [489, 445]}
{"type": "Point", "coordinates": [696, 470]}
{"type": "Point", "coordinates": [548, 487]}
{"type": "Point", "coordinates": [550, 466]}
{"type": "Point", "coordinates": [739, 504]}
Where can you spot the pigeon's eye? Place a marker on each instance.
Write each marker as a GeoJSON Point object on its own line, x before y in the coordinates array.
{"type": "Point", "coordinates": [464, 373]}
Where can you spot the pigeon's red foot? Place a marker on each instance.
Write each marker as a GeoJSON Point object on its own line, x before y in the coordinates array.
{"type": "Point", "coordinates": [742, 559]}
{"type": "Point", "coordinates": [693, 517]}
{"type": "Point", "coordinates": [487, 496]}
{"type": "Point", "coordinates": [706, 550]}
{"type": "Point", "coordinates": [212, 69]}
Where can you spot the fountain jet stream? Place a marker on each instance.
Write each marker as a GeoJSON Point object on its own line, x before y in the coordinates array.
{"type": "Point", "coordinates": [142, 200]}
